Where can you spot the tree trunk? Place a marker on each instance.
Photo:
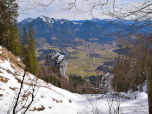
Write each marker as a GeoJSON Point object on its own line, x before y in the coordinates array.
{"type": "Point", "coordinates": [149, 82]}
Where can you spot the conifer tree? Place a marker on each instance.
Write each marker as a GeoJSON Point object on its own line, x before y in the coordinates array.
{"type": "Point", "coordinates": [32, 55]}
{"type": "Point", "coordinates": [3, 24]}
{"type": "Point", "coordinates": [8, 28]}
{"type": "Point", "coordinates": [28, 49]}
{"type": "Point", "coordinates": [15, 42]}
{"type": "Point", "coordinates": [55, 81]}
{"type": "Point", "coordinates": [59, 83]}
{"type": "Point", "coordinates": [25, 48]}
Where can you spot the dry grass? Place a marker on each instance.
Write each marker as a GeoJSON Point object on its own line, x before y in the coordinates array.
{"type": "Point", "coordinates": [50, 107]}
{"type": "Point", "coordinates": [13, 88]}
{"type": "Point", "coordinates": [2, 89]}
{"type": "Point", "coordinates": [6, 55]}
{"type": "Point", "coordinates": [42, 96]}
{"type": "Point", "coordinates": [4, 80]}
{"type": "Point", "coordinates": [70, 101]}
{"type": "Point", "coordinates": [38, 109]}
{"type": "Point", "coordinates": [19, 81]}
{"type": "Point", "coordinates": [57, 101]}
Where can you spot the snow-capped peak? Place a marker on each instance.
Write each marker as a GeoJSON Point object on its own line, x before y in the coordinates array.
{"type": "Point", "coordinates": [43, 18]}
{"type": "Point", "coordinates": [53, 20]}
{"type": "Point", "coordinates": [27, 20]}
{"type": "Point", "coordinates": [48, 20]}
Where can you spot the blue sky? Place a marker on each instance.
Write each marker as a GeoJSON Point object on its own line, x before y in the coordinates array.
{"type": "Point", "coordinates": [28, 9]}
{"type": "Point", "coordinates": [54, 10]}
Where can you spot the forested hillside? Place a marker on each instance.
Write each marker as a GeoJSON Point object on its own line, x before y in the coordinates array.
{"type": "Point", "coordinates": [22, 45]}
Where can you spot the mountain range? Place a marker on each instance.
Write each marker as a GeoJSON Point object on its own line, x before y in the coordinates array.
{"type": "Point", "coordinates": [64, 32]}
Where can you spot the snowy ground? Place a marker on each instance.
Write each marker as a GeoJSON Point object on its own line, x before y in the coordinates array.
{"type": "Point", "coordinates": [54, 100]}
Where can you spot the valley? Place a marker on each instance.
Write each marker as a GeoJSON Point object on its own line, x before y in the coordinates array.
{"type": "Point", "coordinates": [49, 98]}
{"type": "Point", "coordinates": [89, 59]}
{"type": "Point", "coordinates": [89, 45]}
{"type": "Point", "coordinates": [75, 57]}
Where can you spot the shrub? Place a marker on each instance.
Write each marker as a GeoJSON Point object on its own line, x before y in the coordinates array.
{"type": "Point", "coordinates": [74, 84]}
{"type": "Point", "coordinates": [59, 83]}
{"type": "Point", "coordinates": [50, 78]}
{"type": "Point", "coordinates": [59, 75]}
{"type": "Point", "coordinates": [44, 70]}
{"type": "Point", "coordinates": [55, 69]}
{"type": "Point", "coordinates": [55, 81]}
{"type": "Point", "coordinates": [83, 90]}
{"type": "Point", "coordinates": [47, 79]}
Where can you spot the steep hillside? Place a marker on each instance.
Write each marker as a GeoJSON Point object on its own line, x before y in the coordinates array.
{"type": "Point", "coordinates": [49, 99]}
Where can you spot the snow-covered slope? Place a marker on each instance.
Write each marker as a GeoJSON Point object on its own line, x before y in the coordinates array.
{"type": "Point", "coordinates": [53, 20]}
{"type": "Point", "coordinates": [53, 100]}
{"type": "Point", "coordinates": [27, 20]}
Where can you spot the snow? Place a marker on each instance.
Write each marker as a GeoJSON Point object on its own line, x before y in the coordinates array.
{"type": "Point", "coordinates": [52, 21]}
{"type": "Point", "coordinates": [75, 23]}
{"type": "Point", "coordinates": [18, 58]}
{"type": "Point", "coordinates": [60, 57]}
{"type": "Point", "coordinates": [56, 19]}
{"type": "Point", "coordinates": [6, 65]}
{"type": "Point", "coordinates": [47, 19]}
{"type": "Point", "coordinates": [57, 101]}
{"type": "Point", "coordinates": [43, 18]}
{"type": "Point", "coordinates": [107, 74]}
{"type": "Point", "coordinates": [55, 55]}
{"type": "Point", "coordinates": [62, 22]}
{"type": "Point", "coordinates": [0, 47]}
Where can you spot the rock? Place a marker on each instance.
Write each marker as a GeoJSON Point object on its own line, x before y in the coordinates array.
{"type": "Point", "coordinates": [57, 60]}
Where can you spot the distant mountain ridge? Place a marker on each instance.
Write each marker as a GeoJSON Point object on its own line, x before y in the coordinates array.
{"type": "Point", "coordinates": [64, 32]}
{"type": "Point", "coordinates": [27, 20]}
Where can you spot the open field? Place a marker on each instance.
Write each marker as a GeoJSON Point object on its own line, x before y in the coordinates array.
{"type": "Point", "coordinates": [84, 59]}
{"type": "Point", "coordinates": [80, 54]}
{"type": "Point", "coordinates": [85, 65]}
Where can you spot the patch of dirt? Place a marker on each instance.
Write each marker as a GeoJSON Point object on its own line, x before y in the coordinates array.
{"type": "Point", "coordinates": [19, 81]}
{"type": "Point", "coordinates": [2, 89]}
{"type": "Point", "coordinates": [2, 79]}
{"type": "Point", "coordinates": [13, 88]}
{"type": "Point", "coordinates": [57, 101]}
{"type": "Point", "coordinates": [10, 72]}
{"type": "Point", "coordinates": [13, 59]}
{"type": "Point", "coordinates": [38, 109]}
{"type": "Point", "coordinates": [70, 101]}
{"type": "Point", "coordinates": [50, 107]}
{"type": "Point", "coordinates": [1, 95]}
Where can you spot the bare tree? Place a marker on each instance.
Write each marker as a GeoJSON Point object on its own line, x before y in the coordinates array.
{"type": "Point", "coordinates": [24, 98]}
{"type": "Point", "coordinates": [131, 63]}
{"type": "Point", "coordinates": [137, 10]}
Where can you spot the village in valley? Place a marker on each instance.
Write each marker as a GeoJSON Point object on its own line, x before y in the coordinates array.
{"type": "Point", "coordinates": [89, 59]}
